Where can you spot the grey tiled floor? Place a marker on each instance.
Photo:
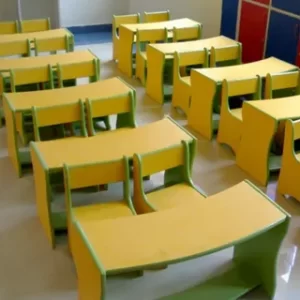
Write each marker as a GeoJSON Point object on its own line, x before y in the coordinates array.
{"type": "Point", "coordinates": [31, 270]}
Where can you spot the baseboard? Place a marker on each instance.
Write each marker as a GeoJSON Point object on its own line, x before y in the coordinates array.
{"type": "Point", "coordinates": [90, 28]}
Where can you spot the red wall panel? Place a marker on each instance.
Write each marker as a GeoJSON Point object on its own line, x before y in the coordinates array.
{"type": "Point", "coordinates": [298, 56]}
{"type": "Point", "coordinates": [252, 35]}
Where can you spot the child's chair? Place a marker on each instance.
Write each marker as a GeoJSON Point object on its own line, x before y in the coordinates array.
{"type": "Point", "coordinates": [35, 25]}
{"type": "Point", "coordinates": [191, 33]}
{"type": "Point", "coordinates": [57, 117]}
{"type": "Point", "coordinates": [20, 48]}
{"type": "Point", "coordinates": [121, 105]}
{"type": "Point", "coordinates": [9, 27]}
{"type": "Point", "coordinates": [95, 174]}
{"type": "Point", "coordinates": [230, 126]}
{"type": "Point", "coordinates": [288, 183]}
{"type": "Point", "coordinates": [144, 37]}
{"type": "Point", "coordinates": [277, 86]}
{"type": "Point", "coordinates": [117, 21]}
{"type": "Point", "coordinates": [157, 16]}
{"type": "Point", "coordinates": [178, 188]}
{"type": "Point", "coordinates": [29, 80]}
{"type": "Point", "coordinates": [52, 45]}
{"type": "Point", "coordinates": [182, 82]}
{"type": "Point", "coordinates": [226, 56]}
{"type": "Point", "coordinates": [67, 73]}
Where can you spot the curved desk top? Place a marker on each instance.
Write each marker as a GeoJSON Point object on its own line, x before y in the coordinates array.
{"type": "Point", "coordinates": [218, 41]}
{"type": "Point", "coordinates": [182, 233]}
{"type": "Point", "coordinates": [100, 89]}
{"type": "Point", "coordinates": [53, 33]}
{"type": "Point", "coordinates": [39, 61]}
{"type": "Point", "coordinates": [111, 145]}
{"type": "Point", "coordinates": [157, 25]}
{"type": "Point", "coordinates": [261, 67]}
{"type": "Point", "coordinates": [279, 109]}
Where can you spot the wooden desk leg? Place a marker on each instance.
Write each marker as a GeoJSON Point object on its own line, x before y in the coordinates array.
{"type": "Point", "coordinates": [125, 53]}
{"type": "Point", "coordinates": [42, 185]}
{"type": "Point", "coordinates": [155, 75]}
{"type": "Point", "coordinates": [257, 257]}
{"type": "Point", "coordinates": [253, 153]}
{"type": "Point", "coordinates": [200, 114]}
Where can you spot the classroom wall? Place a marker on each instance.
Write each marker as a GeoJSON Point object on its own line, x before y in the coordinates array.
{"type": "Point", "coordinates": [90, 12]}
{"type": "Point", "coordinates": [8, 10]}
{"type": "Point", "coordinates": [208, 12]}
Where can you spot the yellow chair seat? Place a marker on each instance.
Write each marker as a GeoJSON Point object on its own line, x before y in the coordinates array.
{"type": "Point", "coordinates": [102, 211]}
{"type": "Point", "coordinates": [237, 112]}
{"type": "Point", "coordinates": [179, 194]}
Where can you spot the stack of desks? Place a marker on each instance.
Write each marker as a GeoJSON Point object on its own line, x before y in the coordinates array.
{"type": "Point", "coordinates": [127, 34]}
{"type": "Point", "coordinates": [157, 54]}
{"type": "Point", "coordinates": [206, 89]}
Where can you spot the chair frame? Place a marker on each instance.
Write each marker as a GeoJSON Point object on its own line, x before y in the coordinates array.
{"type": "Point", "coordinates": [13, 24]}
{"type": "Point", "coordinates": [177, 39]}
{"type": "Point", "coordinates": [228, 58]}
{"type": "Point", "coordinates": [36, 126]}
{"type": "Point", "coordinates": [156, 13]}
{"type": "Point", "coordinates": [67, 43]}
{"type": "Point", "coordinates": [21, 24]}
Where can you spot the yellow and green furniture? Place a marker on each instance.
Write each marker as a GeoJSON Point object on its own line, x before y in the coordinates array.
{"type": "Point", "coordinates": [122, 105]}
{"type": "Point", "coordinates": [178, 188]}
{"type": "Point", "coordinates": [231, 119]}
{"type": "Point", "coordinates": [156, 16]}
{"type": "Point", "coordinates": [207, 87]}
{"type": "Point", "coordinates": [9, 27]}
{"type": "Point", "coordinates": [35, 25]}
{"type": "Point", "coordinates": [144, 37]}
{"type": "Point", "coordinates": [288, 178]}
{"type": "Point", "coordinates": [241, 217]}
{"type": "Point", "coordinates": [87, 175]}
{"type": "Point", "coordinates": [191, 33]}
{"type": "Point", "coordinates": [52, 45]}
{"type": "Point", "coordinates": [226, 55]}
{"type": "Point", "coordinates": [64, 114]}
{"type": "Point", "coordinates": [181, 80]}
{"type": "Point", "coordinates": [117, 21]}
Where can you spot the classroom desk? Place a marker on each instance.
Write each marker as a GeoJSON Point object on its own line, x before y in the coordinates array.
{"type": "Point", "coordinates": [7, 64]}
{"type": "Point", "coordinates": [49, 157]}
{"type": "Point", "coordinates": [240, 216]}
{"type": "Point", "coordinates": [47, 34]}
{"type": "Point", "coordinates": [158, 53]}
{"type": "Point", "coordinates": [207, 84]}
{"type": "Point", "coordinates": [260, 122]}
{"type": "Point", "coordinates": [17, 103]}
{"type": "Point", "coordinates": [128, 31]}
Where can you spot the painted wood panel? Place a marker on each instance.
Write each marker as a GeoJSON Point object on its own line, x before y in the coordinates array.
{"type": "Point", "coordinates": [229, 18]}
{"type": "Point", "coordinates": [252, 35]}
{"type": "Point", "coordinates": [292, 6]}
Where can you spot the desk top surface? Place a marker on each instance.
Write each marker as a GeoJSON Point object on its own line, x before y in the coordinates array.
{"type": "Point", "coordinates": [261, 68]}
{"type": "Point", "coordinates": [100, 89]}
{"type": "Point", "coordinates": [111, 145]}
{"type": "Point", "coordinates": [43, 60]}
{"type": "Point", "coordinates": [279, 109]}
{"type": "Point", "coordinates": [218, 41]}
{"type": "Point", "coordinates": [185, 22]}
{"type": "Point", "coordinates": [182, 233]}
{"type": "Point", "coordinates": [53, 33]}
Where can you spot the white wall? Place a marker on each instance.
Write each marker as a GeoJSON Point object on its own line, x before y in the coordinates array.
{"type": "Point", "coordinates": [208, 12]}
{"type": "Point", "coordinates": [90, 12]}
{"type": "Point", "coordinates": [8, 10]}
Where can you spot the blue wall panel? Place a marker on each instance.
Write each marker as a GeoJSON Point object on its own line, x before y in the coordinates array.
{"type": "Point", "coordinates": [229, 17]}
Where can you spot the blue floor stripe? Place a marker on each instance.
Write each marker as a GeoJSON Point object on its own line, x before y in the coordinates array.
{"type": "Point", "coordinates": [92, 38]}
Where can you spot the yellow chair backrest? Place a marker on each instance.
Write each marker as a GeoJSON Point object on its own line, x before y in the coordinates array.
{"type": "Point", "coordinates": [35, 25]}
{"type": "Point", "coordinates": [281, 81]}
{"type": "Point", "coordinates": [81, 176]}
{"type": "Point", "coordinates": [52, 44]}
{"type": "Point", "coordinates": [190, 58]}
{"type": "Point", "coordinates": [153, 36]}
{"type": "Point", "coordinates": [157, 16]}
{"type": "Point", "coordinates": [241, 87]}
{"type": "Point", "coordinates": [9, 27]}
{"type": "Point", "coordinates": [125, 19]}
{"type": "Point", "coordinates": [15, 48]}
{"type": "Point", "coordinates": [161, 160]}
{"type": "Point", "coordinates": [29, 76]}
{"type": "Point", "coordinates": [228, 53]}
{"type": "Point", "coordinates": [87, 69]}
{"type": "Point", "coordinates": [58, 114]}
{"type": "Point", "coordinates": [187, 33]}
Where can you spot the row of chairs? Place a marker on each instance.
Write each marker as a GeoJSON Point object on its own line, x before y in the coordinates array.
{"type": "Point", "coordinates": [230, 126]}
{"type": "Point", "coordinates": [25, 26]}
{"type": "Point", "coordinates": [80, 119]}
{"type": "Point", "coordinates": [179, 193]}
{"type": "Point", "coordinates": [23, 48]}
